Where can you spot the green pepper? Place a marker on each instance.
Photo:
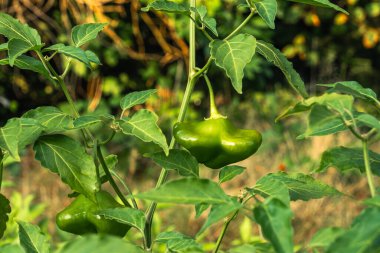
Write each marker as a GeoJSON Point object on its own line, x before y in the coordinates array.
{"type": "Point", "coordinates": [80, 216]}
{"type": "Point", "coordinates": [216, 142]}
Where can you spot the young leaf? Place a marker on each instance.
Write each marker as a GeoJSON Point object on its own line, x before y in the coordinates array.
{"type": "Point", "coordinates": [9, 137]}
{"type": "Point", "coordinates": [81, 34]}
{"type": "Point", "coordinates": [344, 159]}
{"type": "Point", "coordinates": [233, 55]}
{"type": "Point", "coordinates": [322, 121]}
{"type": "Point", "coordinates": [125, 215]}
{"type": "Point", "coordinates": [208, 22]}
{"type": "Point", "coordinates": [362, 237]}
{"type": "Point", "coordinates": [180, 160]}
{"type": "Point", "coordinates": [178, 242]}
{"type": "Point", "coordinates": [100, 244]}
{"type": "Point", "coordinates": [269, 187]}
{"type": "Point", "coordinates": [52, 118]}
{"type": "Point", "coordinates": [167, 6]}
{"type": "Point", "coordinates": [92, 57]}
{"type": "Point", "coordinates": [187, 191]}
{"type": "Point", "coordinates": [229, 172]}
{"type": "Point", "coordinates": [5, 210]}
{"type": "Point", "coordinates": [4, 47]}
{"type": "Point", "coordinates": [321, 3]}
{"type": "Point", "coordinates": [13, 29]}
{"type": "Point", "coordinates": [369, 120]}
{"type": "Point", "coordinates": [28, 63]}
{"type": "Point", "coordinates": [275, 56]}
{"type": "Point", "coordinates": [70, 51]}
{"type": "Point", "coordinates": [32, 239]}
{"type": "Point", "coordinates": [219, 212]}
{"type": "Point", "coordinates": [355, 89]}
{"type": "Point", "coordinates": [17, 47]}
{"type": "Point", "coordinates": [143, 125]}
{"type": "Point", "coordinates": [200, 208]}
{"type": "Point", "coordinates": [135, 98]}
{"type": "Point", "coordinates": [275, 218]}
{"type": "Point", "coordinates": [65, 156]}
{"type": "Point", "coordinates": [324, 237]}
{"type": "Point", "coordinates": [267, 9]}
{"type": "Point", "coordinates": [305, 187]}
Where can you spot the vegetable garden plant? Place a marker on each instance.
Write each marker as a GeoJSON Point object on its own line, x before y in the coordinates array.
{"type": "Point", "coordinates": [101, 221]}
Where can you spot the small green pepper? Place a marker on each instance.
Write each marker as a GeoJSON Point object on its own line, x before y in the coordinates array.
{"type": "Point", "coordinates": [80, 216]}
{"type": "Point", "coordinates": [216, 142]}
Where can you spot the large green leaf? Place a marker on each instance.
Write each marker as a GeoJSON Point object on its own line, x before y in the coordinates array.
{"type": "Point", "coordinates": [13, 29]}
{"type": "Point", "coordinates": [67, 157]}
{"type": "Point", "coordinates": [167, 6]}
{"type": "Point", "coordinates": [9, 135]}
{"type": "Point", "coordinates": [270, 187]}
{"type": "Point", "coordinates": [28, 63]}
{"type": "Point", "coordinates": [324, 237]}
{"type": "Point", "coordinates": [362, 237]}
{"type": "Point", "coordinates": [275, 218]}
{"type": "Point", "coordinates": [5, 210]}
{"type": "Point", "coordinates": [322, 121]}
{"type": "Point", "coordinates": [179, 160]}
{"type": "Point", "coordinates": [233, 55]}
{"type": "Point", "coordinates": [84, 33]}
{"type": "Point", "coordinates": [178, 242]}
{"type": "Point", "coordinates": [143, 125]}
{"type": "Point", "coordinates": [70, 51]}
{"type": "Point", "coordinates": [125, 215]}
{"type": "Point", "coordinates": [52, 118]}
{"type": "Point", "coordinates": [227, 173]}
{"type": "Point", "coordinates": [32, 239]}
{"type": "Point", "coordinates": [344, 159]}
{"type": "Point", "coordinates": [321, 3]}
{"type": "Point", "coordinates": [267, 9]}
{"type": "Point", "coordinates": [187, 191]}
{"type": "Point", "coordinates": [275, 56]}
{"type": "Point", "coordinates": [17, 47]}
{"type": "Point", "coordinates": [31, 129]}
{"type": "Point", "coordinates": [135, 98]}
{"type": "Point", "coordinates": [100, 244]}
{"type": "Point", "coordinates": [305, 187]}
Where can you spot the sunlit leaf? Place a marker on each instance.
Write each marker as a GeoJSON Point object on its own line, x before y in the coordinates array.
{"type": "Point", "coordinates": [321, 3]}
{"type": "Point", "coordinates": [28, 63]}
{"type": "Point", "coordinates": [32, 239]}
{"type": "Point", "coordinates": [135, 98]}
{"type": "Point", "coordinates": [81, 34]}
{"type": "Point", "coordinates": [267, 9]}
{"type": "Point", "coordinates": [70, 51]}
{"type": "Point", "coordinates": [17, 47]}
{"type": "Point", "coordinates": [227, 173]}
{"type": "Point", "coordinates": [167, 6]}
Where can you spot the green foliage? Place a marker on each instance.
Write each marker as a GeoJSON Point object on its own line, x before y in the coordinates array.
{"type": "Point", "coordinates": [5, 209]}
{"type": "Point", "coordinates": [227, 173]}
{"type": "Point", "coordinates": [31, 238]}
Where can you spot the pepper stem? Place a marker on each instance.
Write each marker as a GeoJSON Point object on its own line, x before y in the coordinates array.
{"type": "Point", "coordinates": [214, 113]}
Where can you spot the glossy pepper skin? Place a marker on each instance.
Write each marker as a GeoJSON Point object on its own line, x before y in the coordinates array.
{"type": "Point", "coordinates": [80, 216]}
{"type": "Point", "coordinates": [217, 142]}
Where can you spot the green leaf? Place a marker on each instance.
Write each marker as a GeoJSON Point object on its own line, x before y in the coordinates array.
{"type": "Point", "coordinates": [321, 3]}
{"type": "Point", "coordinates": [178, 242]}
{"type": "Point", "coordinates": [13, 29]}
{"type": "Point", "coordinates": [31, 129]}
{"type": "Point", "coordinates": [5, 210]}
{"type": "Point", "coordinates": [17, 47]}
{"type": "Point", "coordinates": [100, 244]}
{"type": "Point", "coordinates": [187, 191]}
{"type": "Point", "coordinates": [11, 248]}
{"type": "Point", "coordinates": [32, 239]}
{"type": "Point", "coordinates": [208, 22]}
{"type": "Point", "coordinates": [81, 34]}
{"type": "Point", "coordinates": [324, 237]}
{"type": "Point", "coordinates": [9, 137]}
{"type": "Point", "coordinates": [70, 51]}
{"type": "Point", "coordinates": [125, 215]}
{"type": "Point", "coordinates": [355, 89]}
{"type": "Point", "coordinates": [92, 119]}
{"type": "Point", "coordinates": [179, 160]}
{"type": "Point", "coordinates": [272, 54]}
{"type": "Point", "coordinates": [305, 187]}
{"type": "Point", "coordinates": [267, 9]}
{"type": "Point", "coordinates": [322, 121]}
{"type": "Point", "coordinates": [275, 218]}
{"type": "Point", "coordinates": [200, 208]}
{"type": "Point", "coordinates": [28, 63]}
{"type": "Point", "coordinates": [167, 6]}
{"type": "Point", "coordinates": [67, 157]}
{"type": "Point", "coordinates": [4, 47]}
{"type": "Point", "coordinates": [233, 55]}
{"type": "Point", "coordinates": [344, 159]}
{"type": "Point", "coordinates": [52, 118]}
{"type": "Point", "coordinates": [229, 172]}
{"type": "Point", "coordinates": [369, 120]}
{"type": "Point", "coordinates": [372, 202]}
{"type": "Point", "coordinates": [362, 237]}
{"type": "Point", "coordinates": [92, 57]}
{"type": "Point", "coordinates": [135, 98]}
{"type": "Point", "coordinates": [143, 125]}
{"type": "Point", "coordinates": [270, 187]}
{"type": "Point", "coordinates": [220, 211]}
{"type": "Point", "coordinates": [334, 102]}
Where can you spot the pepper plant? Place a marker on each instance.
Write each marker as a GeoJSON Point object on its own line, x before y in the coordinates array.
{"type": "Point", "coordinates": [82, 164]}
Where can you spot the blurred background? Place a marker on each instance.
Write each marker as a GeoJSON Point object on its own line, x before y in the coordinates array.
{"type": "Point", "coordinates": [141, 51]}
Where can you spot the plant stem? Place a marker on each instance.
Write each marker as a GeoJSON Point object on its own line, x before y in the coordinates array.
{"type": "Point", "coordinates": [214, 113]}
{"type": "Point", "coordinates": [368, 170]}
{"type": "Point", "coordinates": [110, 178]}
{"type": "Point", "coordinates": [134, 203]}
{"type": "Point", "coordinates": [237, 29]}
{"type": "Point", "coordinates": [223, 232]}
